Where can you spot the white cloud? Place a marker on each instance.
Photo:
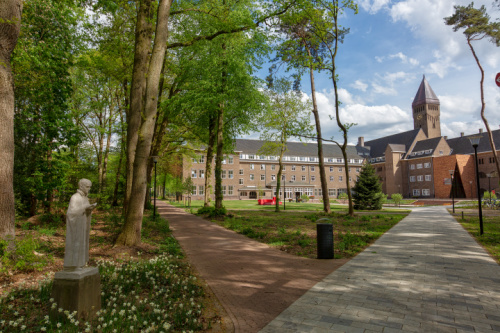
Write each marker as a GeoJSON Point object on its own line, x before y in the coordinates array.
{"type": "Point", "coordinates": [359, 85]}
{"type": "Point", "coordinates": [442, 65]}
{"type": "Point", "coordinates": [379, 59]}
{"type": "Point", "coordinates": [373, 6]}
{"type": "Point", "coordinates": [378, 89]}
{"type": "Point", "coordinates": [453, 106]}
{"type": "Point", "coordinates": [404, 59]}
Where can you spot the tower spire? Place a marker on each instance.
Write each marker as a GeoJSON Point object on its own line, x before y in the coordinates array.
{"type": "Point", "coordinates": [426, 110]}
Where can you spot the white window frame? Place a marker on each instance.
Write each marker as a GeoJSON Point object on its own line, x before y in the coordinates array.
{"type": "Point", "coordinates": [230, 174]}
{"type": "Point", "coordinates": [262, 177]}
{"type": "Point", "coordinates": [263, 167]}
{"type": "Point", "coordinates": [230, 190]}
{"type": "Point", "coordinates": [416, 192]}
{"type": "Point", "coordinates": [426, 192]}
{"type": "Point", "coordinates": [303, 178]}
{"type": "Point", "coordinates": [428, 178]}
{"type": "Point", "coordinates": [427, 165]}
{"type": "Point", "coordinates": [252, 176]}
{"type": "Point", "coordinates": [412, 179]}
{"type": "Point", "coordinates": [241, 181]}
{"type": "Point", "coordinates": [223, 172]}
{"type": "Point", "coordinates": [420, 178]}
{"type": "Point", "coordinates": [201, 173]}
{"type": "Point", "coordinates": [252, 166]}
{"type": "Point", "coordinates": [201, 190]}
{"type": "Point", "coordinates": [193, 173]}
{"type": "Point", "coordinates": [303, 168]}
{"type": "Point", "coordinates": [313, 178]}
{"type": "Point", "coordinates": [419, 166]}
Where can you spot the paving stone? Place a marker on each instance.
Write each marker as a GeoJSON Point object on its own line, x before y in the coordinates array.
{"type": "Point", "coordinates": [427, 275]}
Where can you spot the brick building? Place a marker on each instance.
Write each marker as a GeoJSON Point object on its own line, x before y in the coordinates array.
{"type": "Point", "coordinates": [414, 163]}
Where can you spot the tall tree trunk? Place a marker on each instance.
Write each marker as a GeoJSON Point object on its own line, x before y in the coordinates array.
{"type": "Point", "coordinates": [343, 128]}
{"type": "Point", "coordinates": [280, 172]}
{"type": "Point", "coordinates": [122, 151]}
{"type": "Point", "coordinates": [483, 107]}
{"type": "Point", "coordinates": [143, 39]}
{"type": "Point", "coordinates": [322, 173]}
{"type": "Point", "coordinates": [131, 232]}
{"type": "Point", "coordinates": [220, 134]}
{"type": "Point", "coordinates": [219, 157]}
{"type": "Point", "coordinates": [106, 150]}
{"type": "Point", "coordinates": [210, 156]}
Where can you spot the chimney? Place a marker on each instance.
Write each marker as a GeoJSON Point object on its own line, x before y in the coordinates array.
{"type": "Point", "coordinates": [361, 141]}
{"type": "Point", "coordinates": [480, 130]}
{"type": "Point", "coordinates": [461, 134]}
{"type": "Point", "coordinates": [446, 138]}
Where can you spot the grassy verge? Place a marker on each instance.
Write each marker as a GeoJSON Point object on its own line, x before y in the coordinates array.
{"type": "Point", "coordinates": [252, 205]}
{"type": "Point", "coordinates": [152, 290]}
{"type": "Point", "coordinates": [490, 239]}
{"type": "Point", "coordinates": [295, 232]}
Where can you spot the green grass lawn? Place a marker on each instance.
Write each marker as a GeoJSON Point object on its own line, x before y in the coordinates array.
{"type": "Point", "coordinates": [490, 239]}
{"type": "Point", "coordinates": [295, 232]}
{"type": "Point", "coordinates": [252, 205]}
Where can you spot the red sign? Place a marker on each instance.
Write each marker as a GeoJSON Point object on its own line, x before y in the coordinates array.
{"type": "Point", "coordinates": [497, 79]}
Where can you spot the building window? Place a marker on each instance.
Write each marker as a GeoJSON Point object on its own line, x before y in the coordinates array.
{"type": "Point", "coordinates": [283, 177]}
{"type": "Point", "coordinates": [340, 160]}
{"type": "Point", "coordinates": [223, 189]}
{"type": "Point", "coordinates": [358, 169]}
{"type": "Point", "coordinates": [441, 152]}
{"type": "Point", "coordinates": [273, 177]}
{"type": "Point", "coordinates": [412, 179]}
{"type": "Point", "coordinates": [426, 192]}
{"type": "Point", "coordinates": [303, 178]}
{"type": "Point", "coordinates": [420, 178]}
{"type": "Point", "coordinates": [416, 193]}
{"type": "Point", "coordinates": [273, 167]}
{"type": "Point", "coordinates": [241, 171]}
{"type": "Point", "coordinates": [419, 166]}
{"type": "Point", "coordinates": [340, 169]}
{"type": "Point", "coordinates": [252, 166]}
{"type": "Point", "coordinates": [263, 167]}
{"type": "Point", "coordinates": [202, 159]}
{"type": "Point", "coordinates": [284, 168]}
{"type": "Point", "coordinates": [313, 178]}
{"type": "Point", "coordinates": [293, 178]}
{"type": "Point", "coordinates": [427, 165]}
{"type": "Point", "coordinates": [293, 167]}
{"type": "Point", "coordinates": [350, 179]}
{"type": "Point", "coordinates": [262, 177]}
{"type": "Point", "coordinates": [252, 177]}
{"type": "Point", "coordinates": [193, 173]}
{"type": "Point", "coordinates": [332, 192]}
{"type": "Point", "coordinates": [201, 190]}
{"type": "Point", "coordinates": [412, 166]}
{"type": "Point", "coordinates": [340, 178]}
{"type": "Point", "coordinates": [481, 161]}
{"type": "Point", "coordinates": [427, 178]}
{"type": "Point", "coordinates": [230, 160]}
{"type": "Point", "coordinates": [230, 190]}
{"type": "Point", "coordinates": [223, 174]}
{"type": "Point", "coordinates": [331, 178]}
{"type": "Point", "coordinates": [201, 173]}
{"type": "Point", "coordinates": [241, 181]}
{"type": "Point", "coordinates": [492, 160]}
{"type": "Point", "coordinates": [303, 168]}
{"type": "Point", "coordinates": [331, 169]}
{"type": "Point", "coordinates": [194, 160]}
{"type": "Point", "coordinates": [193, 190]}
{"type": "Point", "coordinates": [313, 168]}
{"type": "Point", "coordinates": [230, 174]}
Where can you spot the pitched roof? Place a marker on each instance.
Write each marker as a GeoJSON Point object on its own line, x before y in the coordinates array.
{"type": "Point", "coordinates": [462, 145]}
{"type": "Point", "coordinates": [425, 94]}
{"type": "Point", "coordinates": [297, 149]}
{"type": "Point", "coordinates": [378, 146]}
{"type": "Point", "coordinates": [425, 147]}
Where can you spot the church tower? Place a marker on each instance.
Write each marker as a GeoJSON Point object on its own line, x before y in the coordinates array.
{"type": "Point", "coordinates": [426, 111]}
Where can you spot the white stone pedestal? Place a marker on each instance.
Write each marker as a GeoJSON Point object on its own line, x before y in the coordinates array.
{"type": "Point", "coordinates": [78, 291]}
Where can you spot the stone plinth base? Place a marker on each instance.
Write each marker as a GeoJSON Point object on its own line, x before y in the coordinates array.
{"type": "Point", "coordinates": [78, 291]}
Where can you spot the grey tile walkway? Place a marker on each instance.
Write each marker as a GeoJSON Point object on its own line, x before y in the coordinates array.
{"type": "Point", "coordinates": [427, 274]}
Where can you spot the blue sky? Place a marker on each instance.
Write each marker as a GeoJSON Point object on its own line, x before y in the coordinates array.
{"type": "Point", "coordinates": [392, 44]}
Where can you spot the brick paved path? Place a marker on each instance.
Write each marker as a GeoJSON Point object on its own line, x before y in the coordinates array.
{"type": "Point", "coordinates": [427, 274]}
{"type": "Point", "coordinates": [254, 282]}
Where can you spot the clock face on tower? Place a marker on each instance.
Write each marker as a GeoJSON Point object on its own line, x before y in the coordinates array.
{"type": "Point", "coordinates": [419, 117]}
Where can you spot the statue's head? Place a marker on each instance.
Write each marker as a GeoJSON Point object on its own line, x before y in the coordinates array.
{"type": "Point", "coordinates": [84, 185]}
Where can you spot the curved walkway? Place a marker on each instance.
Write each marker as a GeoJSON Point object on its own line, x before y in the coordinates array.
{"type": "Point", "coordinates": [254, 282]}
{"type": "Point", "coordinates": [427, 274]}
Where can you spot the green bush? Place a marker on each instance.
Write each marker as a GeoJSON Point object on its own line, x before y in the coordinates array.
{"type": "Point", "coordinates": [212, 211]}
{"type": "Point", "coordinates": [343, 196]}
{"type": "Point", "coordinates": [489, 195]}
{"type": "Point", "coordinates": [304, 197]}
{"type": "Point", "coordinates": [397, 198]}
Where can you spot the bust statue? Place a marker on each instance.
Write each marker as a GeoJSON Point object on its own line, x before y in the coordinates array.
{"type": "Point", "coordinates": [76, 254]}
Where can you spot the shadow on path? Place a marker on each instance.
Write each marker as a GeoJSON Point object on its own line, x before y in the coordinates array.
{"type": "Point", "coordinates": [254, 282]}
